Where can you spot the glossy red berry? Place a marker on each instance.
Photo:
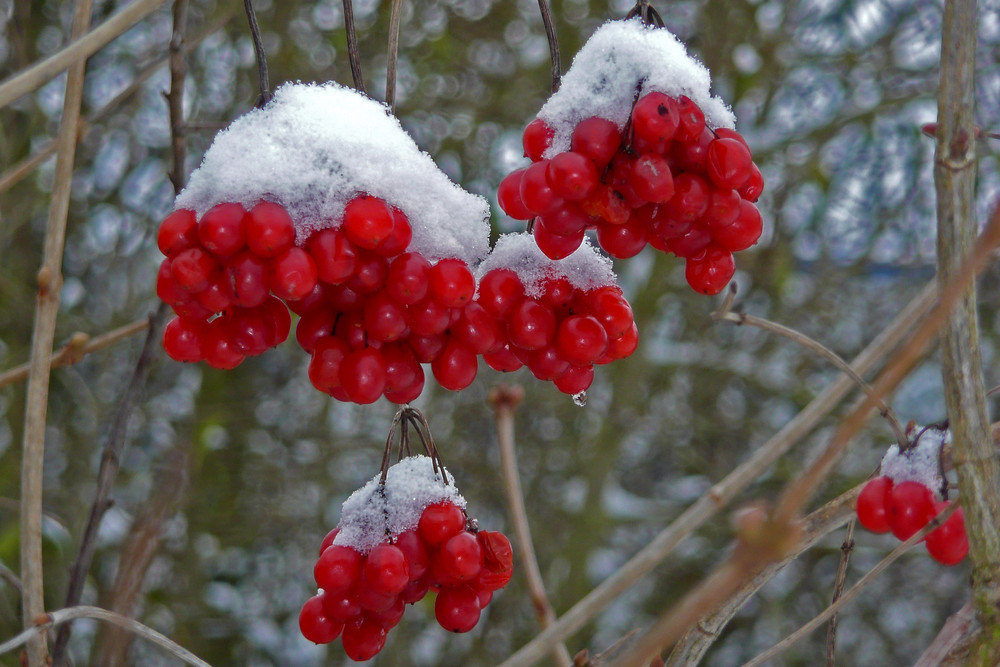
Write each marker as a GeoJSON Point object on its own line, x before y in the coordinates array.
{"type": "Point", "coordinates": [581, 339]}
{"type": "Point", "coordinates": [367, 221]}
{"type": "Point", "coordinates": [460, 558]}
{"type": "Point", "coordinates": [622, 241]}
{"type": "Point", "coordinates": [531, 325]}
{"type": "Point", "coordinates": [363, 638]}
{"type": "Point", "coordinates": [509, 196]}
{"type": "Point", "coordinates": [417, 558]}
{"type": "Point", "coordinates": [596, 138]}
{"type": "Point", "coordinates": [440, 521]}
{"type": "Point", "coordinates": [872, 505]}
{"type": "Point", "coordinates": [178, 231]}
{"type": "Point", "coordinates": [218, 347]}
{"type": "Point", "coordinates": [362, 375]}
{"type": "Point", "coordinates": [728, 163]}
{"type": "Point", "coordinates": [335, 256]}
{"type": "Point", "coordinates": [167, 288]}
{"type": "Point", "coordinates": [457, 609]}
{"type": "Point", "coordinates": [248, 275]}
{"type": "Point", "coordinates": [708, 273]}
{"type": "Point", "coordinates": [691, 197]}
{"type": "Point", "coordinates": [193, 270]}
{"type": "Point", "coordinates": [655, 117]}
{"type": "Point", "coordinates": [385, 320]}
{"type": "Point", "coordinates": [324, 365]}
{"type": "Point", "coordinates": [399, 238]}
{"type": "Point", "coordinates": [692, 119]}
{"type": "Point", "coordinates": [536, 192]}
{"type": "Point", "coordinates": [948, 544]}
{"type": "Point", "coordinates": [743, 232]}
{"type": "Point", "coordinates": [450, 283]}
{"type": "Point", "coordinates": [182, 339]}
{"type": "Point", "coordinates": [455, 367]}
{"type": "Point", "coordinates": [911, 506]}
{"type": "Point", "coordinates": [370, 273]}
{"type": "Point", "coordinates": [222, 230]}
{"type": "Point", "coordinates": [337, 568]}
{"type": "Point", "coordinates": [293, 274]}
{"type": "Point", "coordinates": [386, 570]}
{"type": "Point", "coordinates": [537, 138]}
{"type": "Point", "coordinates": [555, 246]}
{"type": "Point", "coordinates": [499, 290]}
{"type": "Point", "coordinates": [754, 185]}
{"type": "Point", "coordinates": [314, 624]}
{"type": "Point", "coordinates": [407, 280]}
{"type": "Point", "coordinates": [651, 179]}
{"type": "Point", "coordinates": [328, 540]}
{"type": "Point", "coordinates": [269, 230]}
{"type": "Point", "coordinates": [571, 175]}
{"type": "Point", "coordinates": [575, 380]}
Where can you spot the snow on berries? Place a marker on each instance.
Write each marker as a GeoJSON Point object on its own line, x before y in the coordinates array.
{"type": "Point", "coordinates": [558, 318]}
{"type": "Point", "coordinates": [910, 491]}
{"type": "Point", "coordinates": [635, 146]}
{"type": "Point", "coordinates": [401, 535]}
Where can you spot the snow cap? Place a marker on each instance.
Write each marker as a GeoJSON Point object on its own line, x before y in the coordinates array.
{"type": "Point", "coordinates": [920, 463]}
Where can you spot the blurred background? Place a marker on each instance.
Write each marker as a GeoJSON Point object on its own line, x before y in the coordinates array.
{"type": "Point", "coordinates": [830, 94]}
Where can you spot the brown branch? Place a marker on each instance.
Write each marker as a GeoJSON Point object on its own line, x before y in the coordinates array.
{"type": "Point", "coordinates": [853, 592]}
{"type": "Point", "coordinates": [725, 313]}
{"type": "Point", "coordinates": [353, 54]}
{"type": "Point", "coordinates": [81, 48]}
{"type": "Point", "coordinates": [838, 589]}
{"type": "Point", "coordinates": [953, 642]}
{"type": "Point", "coordinates": [393, 55]}
{"type": "Point", "coordinates": [550, 35]}
{"type": "Point", "coordinates": [722, 493]}
{"type": "Point", "coordinates": [45, 622]}
{"type": "Point", "coordinates": [79, 346]}
{"type": "Point", "coordinates": [258, 48]}
{"type": "Point", "coordinates": [505, 400]}
{"type": "Point", "coordinates": [43, 334]}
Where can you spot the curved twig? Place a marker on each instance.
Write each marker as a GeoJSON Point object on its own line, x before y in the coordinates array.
{"type": "Point", "coordinates": [353, 54]}
{"type": "Point", "coordinates": [258, 49]}
{"type": "Point", "coordinates": [550, 35]}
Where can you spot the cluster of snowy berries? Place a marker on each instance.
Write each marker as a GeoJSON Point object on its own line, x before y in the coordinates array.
{"type": "Point", "coordinates": [667, 179]}
{"type": "Point", "coordinates": [902, 500]}
{"type": "Point", "coordinates": [364, 587]}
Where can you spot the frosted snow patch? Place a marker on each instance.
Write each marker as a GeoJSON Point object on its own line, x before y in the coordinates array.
{"type": "Point", "coordinates": [371, 511]}
{"type": "Point", "coordinates": [585, 269]}
{"type": "Point", "coordinates": [314, 147]}
{"type": "Point", "coordinates": [602, 79]}
{"type": "Point", "coordinates": [921, 463]}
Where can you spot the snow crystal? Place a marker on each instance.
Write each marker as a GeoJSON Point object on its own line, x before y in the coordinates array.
{"type": "Point", "coordinates": [313, 148]}
{"type": "Point", "coordinates": [602, 80]}
{"type": "Point", "coordinates": [920, 463]}
{"type": "Point", "coordinates": [585, 269]}
{"type": "Point", "coordinates": [373, 511]}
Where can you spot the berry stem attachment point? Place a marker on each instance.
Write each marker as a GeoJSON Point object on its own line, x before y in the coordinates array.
{"type": "Point", "coordinates": [404, 418]}
{"type": "Point", "coordinates": [258, 48]}
{"type": "Point", "coordinates": [725, 313]}
{"type": "Point", "coordinates": [646, 13]}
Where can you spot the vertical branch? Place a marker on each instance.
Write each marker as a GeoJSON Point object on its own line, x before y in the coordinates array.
{"type": "Point", "coordinates": [393, 55]}
{"type": "Point", "coordinates": [504, 401]}
{"type": "Point", "coordinates": [974, 454]}
{"type": "Point", "coordinates": [838, 589]}
{"type": "Point", "coordinates": [353, 54]}
{"type": "Point", "coordinates": [550, 34]}
{"type": "Point", "coordinates": [115, 443]}
{"type": "Point", "coordinates": [46, 311]}
{"type": "Point", "coordinates": [258, 49]}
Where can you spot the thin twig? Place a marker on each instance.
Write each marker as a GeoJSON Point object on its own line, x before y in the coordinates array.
{"type": "Point", "coordinates": [6, 574]}
{"type": "Point", "coordinates": [258, 49]}
{"type": "Point", "coordinates": [79, 49]}
{"type": "Point", "coordinates": [550, 34]}
{"type": "Point", "coordinates": [954, 636]}
{"type": "Point", "coordinates": [838, 589]}
{"type": "Point", "coordinates": [722, 493]}
{"type": "Point", "coordinates": [353, 54]}
{"type": "Point", "coordinates": [725, 313]}
{"type": "Point", "coordinates": [504, 400]}
{"type": "Point", "coordinates": [854, 590]}
{"type": "Point", "coordinates": [58, 618]}
{"type": "Point", "coordinates": [43, 334]}
{"type": "Point", "coordinates": [393, 55]}
{"type": "Point", "coordinates": [79, 346]}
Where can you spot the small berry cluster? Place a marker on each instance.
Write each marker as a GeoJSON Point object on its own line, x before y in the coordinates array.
{"type": "Point", "coordinates": [904, 509]}
{"type": "Point", "coordinates": [666, 179]}
{"type": "Point", "coordinates": [366, 580]}
{"type": "Point", "coordinates": [562, 333]}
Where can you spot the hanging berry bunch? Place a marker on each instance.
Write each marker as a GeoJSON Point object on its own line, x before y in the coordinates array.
{"type": "Point", "coordinates": [404, 533]}
{"type": "Point", "coordinates": [321, 203]}
{"type": "Point", "coordinates": [634, 146]}
{"type": "Point", "coordinates": [910, 491]}
{"type": "Point", "coordinates": [558, 318]}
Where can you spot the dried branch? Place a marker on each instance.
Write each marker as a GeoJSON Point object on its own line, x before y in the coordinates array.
{"type": "Point", "coordinates": [952, 644]}
{"type": "Point", "coordinates": [258, 49]}
{"type": "Point", "coordinates": [7, 575]}
{"type": "Point", "coordinates": [353, 54]}
{"type": "Point", "coordinates": [838, 589]}
{"type": "Point", "coordinates": [79, 346]}
{"type": "Point", "coordinates": [57, 618]}
{"type": "Point", "coordinates": [853, 592]}
{"type": "Point", "coordinates": [505, 400]}
{"type": "Point", "coordinates": [81, 48]}
{"type": "Point", "coordinates": [722, 493]}
{"type": "Point", "coordinates": [550, 34]}
{"type": "Point", "coordinates": [973, 452]}
{"type": "Point", "coordinates": [43, 334]}
{"type": "Point", "coordinates": [725, 313]}
{"type": "Point", "coordinates": [393, 55]}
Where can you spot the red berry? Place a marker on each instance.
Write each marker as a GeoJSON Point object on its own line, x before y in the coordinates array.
{"type": "Point", "coordinates": [691, 155]}
{"type": "Point", "coordinates": [218, 296]}
{"type": "Point", "coordinates": [607, 204]}
{"type": "Point", "coordinates": [509, 196]}
{"type": "Point", "coordinates": [318, 298]}
{"type": "Point", "coordinates": [728, 163]}
{"type": "Point", "coordinates": [363, 638]}
{"type": "Point", "coordinates": [692, 120]}
{"type": "Point", "coordinates": [328, 540]}
{"type": "Point", "coordinates": [386, 570]}
{"type": "Point", "coordinates": [399, 238]}
{"type": "Point", "coordinates": [277, 312]}
{"type": "Point", "coordinates": [402, 370]}
{"type": "Point", "coordinates": [407, 278]}
{"type": "Point", "coordinates": [167, 288]}
{"type": "Point", "coordinates": [385, 320]}
{"type": "Point", "coordinates": [218, 347]}
{"type": "Point", "coordinates": [457, 609]}
{"type": "Point", "coordinates": [370, 273]}
{"type": "Point", "coordinates": [499, 289]}
{"type": "Point", "coordinates": [872, 505]}
{"type": "Point", "coordinates": [335, 256]}
{"type": "Point", "coordinates": [911, 506]}
{"type": "Point", "coordinates": [417, 558]}
{"type": "Point", "coordinates": [362, 375]}
{"type": "Point", "coordinates": [455, 367]}
{"type": "Point", "coordinates": [567, 220]}
{"type": "Point", "coordinates": [182, 339]}
{"type": "Point", "coordinates": [341, 606]}
{"type": "Point", "coordinates": [428, 319]}
{"type": "Point", "coordinates": [655, 117]}
{"type": "Point", "coordinates": [460, 558]}
{"type": "Point", "coordinates": [710, 272]}
{"type": "Point", "coordinates": [546, 363]}
{"type": "Point", "coordinates": [622, 241]}
{"type": "Point", "coordinates": [502, 360]}
{"type": "Point", "coordinates": [390, 618]}
{"type": "Point", "coordinates": [367, 221]}
{"type": "Point", "coordinates": [269, 230]}
{"type": "Point", "coordinates": [450, 283]}
{"type": "Point", "coordinates": [497, 552]}
{"type": "Point", "coordinates": [571, 175]}
{"type": "Point", "coordinates": [948, 543]}
{"type": "Point", "coordinates": [415, 591]}
{"type": "Point", "coordinates": [754, 185]}
{"type": "Point", "coordinates": [555, 246]}
{"type": "Point", "coordinates": [193, 270]}
{"type": "Point", "coordinates": [293, 274]}
{"type": "Point", "coordinates": [324, 366]}
{"type": "Point", "coordinates": [314, 624]}
{"type": "Point", "coordinates": [222, 229]}
{"type": "Point", "coordinates": [726, 133]}
{"type": "Point", "coordinates": [581, 339]}
{"type": "Point", "coordinates": [337, 568]}
{"type": "Point", "coordinates": [247, 273]}
{"type": "Point", "coordinates": [651, 179]}
{"type": "Point", "coordinates": [596, 138]}
{"type": "Point", "coordinates": [477, 330]}
{"type": "Point", "coordinates": [253, 330]}
{"type": "Point", "coordinates": [612, 310]}
{"type": "Point", "coordinates": [440, 521]}
{"type": "Point", "coordinates": [178, 231]}
{"type": "Point", "coordinates": [691, 197]}
{"type": "Point", "coordinates": [742, 233]}
{"type": "Point", "coordinates": [536, 139]}
{"type": "Point", "coordinates": [691, 244]}
{"type": "Point", "coordinates": [623, 346]}
{"type": "Point", "coordinates": [723, 209]}
{"type": "Point", "coordinates": [536, 193]}
{"type": "Point", "coordinates": [530, 325]}
{"type": "Point", "coordinates": [315, 325]}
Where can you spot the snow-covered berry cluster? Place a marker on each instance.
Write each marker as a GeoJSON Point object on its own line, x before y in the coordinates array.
{"type": "Point", "coordinates": [397, 540]}
{"type": "Point", "coordinates": [910, 492]}
{"type": "Point", "coordinates": [624, 148]}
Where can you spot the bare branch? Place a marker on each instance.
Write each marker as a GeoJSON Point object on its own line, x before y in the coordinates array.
{"type": "Point", "coordinates": [393, 55]}
{"type": "Point", "coordinates": [550, 34]}
{"type": "Point", "coordinates": [258, 49]}
{"type": "Point", "coordinates": [79, 346]}
{"type": "Point", "coordinates": [7, 575]}
{"type": "Point", "coordinates": [838, 589]}
{"type": "Point", "coordinates": [954, 637]}
{"type": "Point", "coordinates": [43, 334]}
{"type": "Point", "coordinates": [353, 54]}
{"type": "Point", "coordinates": [79, 49]}
{"type": "Point", "coordinates": [57, 618]}
{"type": "Point", "coordinates": [505, 400]}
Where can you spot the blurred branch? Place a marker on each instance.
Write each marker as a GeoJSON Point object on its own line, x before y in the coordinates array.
{"type": "Point", "coordinates": [353, 54]}
{"type": "Point", "coordinates": [46, 311]}
{"type": "Point", "coordinates": [853, 592]}
{"type": "Point", "coordinates": [951, 645]}
{"type": "Point", "coordinates": [79, 346]}
{"type": "Point", "coordinates": [722, 493]}
{"type": "Point", "coordinates": [725, 313]}
{"type": "Point", "coordinates": [53, 619]}
{"type": "Point", "coordinates": [505, 400]}
{"type": "Point", "coordinates": [7, 575]}
{"type": "Point", "coordinates": [258, 49]}
{"type": "Point", "coordinates": [973, 452]}
{"type": "Point", "coordinates": [838, 589]}
{"type": "Point", "coordinates": [393, 55]}
{"type": "Point", "coordinates": [78, 50]}
{"type": "Point", "coordinates": [550, 34]}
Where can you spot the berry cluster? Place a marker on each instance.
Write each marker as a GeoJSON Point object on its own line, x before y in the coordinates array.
{"type": "Point", "coordinates": [904, 509]}
{"type": "Point", "coordinates": [666, 179]}
{"type": "Point", "coordinates": [366, 579]}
